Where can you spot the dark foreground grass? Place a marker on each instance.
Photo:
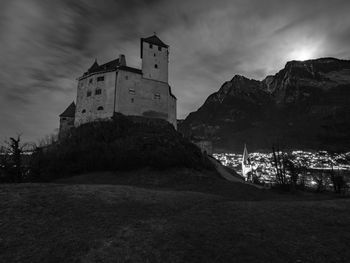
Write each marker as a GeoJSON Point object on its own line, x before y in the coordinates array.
{"type": "Point", "coordinates": [116, 223]}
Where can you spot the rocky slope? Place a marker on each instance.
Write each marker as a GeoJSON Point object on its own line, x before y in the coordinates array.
{"type": "Point", "coordinates": [306, 105]}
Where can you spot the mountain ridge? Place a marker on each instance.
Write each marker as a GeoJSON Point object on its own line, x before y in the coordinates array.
{"type": "Point", "coordinates": [303, 106]}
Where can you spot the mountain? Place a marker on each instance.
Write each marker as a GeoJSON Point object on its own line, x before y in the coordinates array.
{"type": "Point", "coordinates": [304, 106]}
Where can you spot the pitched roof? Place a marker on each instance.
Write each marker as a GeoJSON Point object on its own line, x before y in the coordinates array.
{"type": "Point", "coordinates": [94, 66]}
{"type": "Point", "coordinates": [155, 40]}
{"type": "Point", "coordinates": [112, 65]}
{"type": "Point", "coordinates": [130, 69]}
{"type": "Point", "coordinates": [69, 112]}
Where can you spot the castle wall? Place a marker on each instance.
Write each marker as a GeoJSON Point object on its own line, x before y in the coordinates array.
{"type": "Point", "coordinates": [172, 110]}
{"type": "Point", "coordinates": [92, 104]}
{"type": "Point", "coordinates": [66, 123]}
{"type": "Point", "coordinates": [142, 97]}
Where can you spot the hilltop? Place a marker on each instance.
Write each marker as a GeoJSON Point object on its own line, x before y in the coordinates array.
{"type": "Point", "coordinates": [121, 143]}
{"type": "Point", "coordinates": [304, 106]}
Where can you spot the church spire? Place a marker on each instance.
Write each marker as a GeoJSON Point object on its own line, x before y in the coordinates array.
{"type": "Point", "coordinates": [245, 158]}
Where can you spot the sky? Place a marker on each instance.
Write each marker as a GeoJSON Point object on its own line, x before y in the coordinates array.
{"type": "Point", "coordinates": [45, 45]}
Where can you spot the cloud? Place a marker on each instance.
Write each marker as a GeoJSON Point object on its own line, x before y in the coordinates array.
{"type": "Point", "coordinates": [46, 45]}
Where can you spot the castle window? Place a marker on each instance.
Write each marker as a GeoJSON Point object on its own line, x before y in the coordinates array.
{"type": "Point", "coordinates": [160, 48]}
{"type": "Point", "coordinates": [83, 111]}
{"type": "Point", "coordinates": [150, 46]}
{"type": "Point", "coordinates": [64, 119]}
{"type": "Point", "coordinates": [88, 94]}
{"type": "Point", "coordinates": [154, 54]}
{"type": "Point", "coordinates": [90, 81]}
{"type": "Point", "coordinates": [132, 100]}
{"type": "Point", "coordinates": [100, 108]}
{"type": "Point", "coordinates": [157, 96]}
{"type": "Point", "coordinates": [126, 77]}
{"type": "Point", "coordinates": [102, 78]}
{"type": "Point", "coordinates": [156, 66]}
{"type": "Point", "coordinates": [98, 91]}
{"type": "Point", "coordinates": [132, 91]}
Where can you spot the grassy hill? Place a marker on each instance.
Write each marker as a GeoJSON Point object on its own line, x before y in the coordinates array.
{"type": "Point", "coordinates": [98, 218]}
{"type": "Point", "coordinates": [119, 144]}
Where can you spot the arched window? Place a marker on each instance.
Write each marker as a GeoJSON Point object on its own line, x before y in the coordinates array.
{"type": "Point", "coordinates": [100, 108]}
{"type": "Point", "coordinates": [83, 111]}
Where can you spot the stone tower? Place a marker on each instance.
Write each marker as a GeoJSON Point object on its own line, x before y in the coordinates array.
{"type": "Point", "coordinates": [155, 59]}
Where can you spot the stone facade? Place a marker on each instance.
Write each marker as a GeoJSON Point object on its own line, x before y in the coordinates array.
{"type": "Point", "coordinates": [115, 87]}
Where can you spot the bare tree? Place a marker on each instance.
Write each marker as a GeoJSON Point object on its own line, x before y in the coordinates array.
{"type": "Point", "coordinates": [281, 178]}
{"type": "Point", "coordinates": [286, 170]}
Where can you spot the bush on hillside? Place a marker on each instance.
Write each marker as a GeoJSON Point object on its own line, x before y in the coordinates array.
{"type": "Point", "coordinates": [119, 144]}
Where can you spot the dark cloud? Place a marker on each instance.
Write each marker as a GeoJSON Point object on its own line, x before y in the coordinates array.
{"type": "Point", "coordinates": [46, 45]}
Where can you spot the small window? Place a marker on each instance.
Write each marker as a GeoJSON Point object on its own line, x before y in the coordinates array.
{"type": "Point", "coordinates": [90, 81]}
{"type": "Point", "coordinates": [98, 91]}
{"type": "Point", "coordinates": [160, 48]}
{"type": "Point", "coordinates": [88, 94]}
{"type": "Point", "coordinates": [150, 46]}
{"type": "Point", "coordinates": [102, 78]}
{"type": "Point", "coordinates": [132, 100]}
{"type": "Point", "coordinates": [157, 96]}
{"type": "Point", "coordinates": [83, 111]}
{"type": "Point", "coordinates": [154, 54]}
{"type": "Point", "coordinates": [155, 66]}
{"type": "Point", "coordinates": [132, 91]}
{"type": "Point", "coordinates": [126, 77]}
{"type": "Point", "coordinates": [100, 108]}
{"type": "Point", "coordinates": [64, 119]}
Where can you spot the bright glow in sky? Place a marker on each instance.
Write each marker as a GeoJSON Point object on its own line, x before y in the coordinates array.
{"type": "Point", "coordinates": [302, 54]}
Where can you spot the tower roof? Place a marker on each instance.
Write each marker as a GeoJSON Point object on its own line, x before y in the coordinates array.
{"type": "Point", "coordinates": [245, 157]}
{"type": "Point", "coordinates": [155, 41]}
{"type": "Point", "coordinates": [94, 66]}
{"type": "Point", "coordinates": [69, 112]}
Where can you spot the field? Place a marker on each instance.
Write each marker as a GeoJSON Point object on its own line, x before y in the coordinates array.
{"type": "Point", "coordinates": [112, 218]}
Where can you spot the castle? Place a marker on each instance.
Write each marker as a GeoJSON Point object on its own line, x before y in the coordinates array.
{"type": "Point", "coordinates": [114, 87]}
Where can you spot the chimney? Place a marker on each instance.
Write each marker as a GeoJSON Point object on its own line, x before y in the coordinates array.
{"type": "Point", "coordinates": [122, 60]}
